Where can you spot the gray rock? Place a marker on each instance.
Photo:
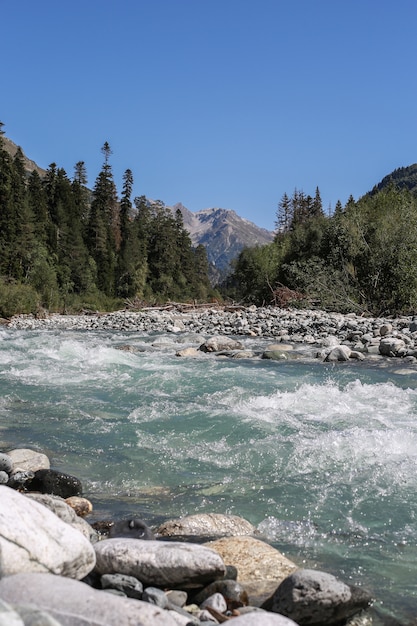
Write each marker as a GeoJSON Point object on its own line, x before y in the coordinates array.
{"type": "Point", "coordinates": [155, 596]}
{"type": "Point", "coordinates": [66, 513]}
{"type": "Point", "coordinates": [72, 603]}
{"type": "Point", "coordinates": [33, 539]}
{"type": "Point", "coordinates": [232, 591]}
{"type": "Point", "coordinates": [390, 346]}
{"type": "Point", "coordinates": [207, 525]}
{"type": "Point", "coordinates": [129, 585]}
{"type": "Point", "coordinates": [133, 528]}
{"type": "Point", "coordinates": [4, 478]}
{"type": "Point", "coordinates": [339, 353]}
{"type": "Point", "coordinates": [316, 598]}
{"type": "Point", "coordinates": [6, 463]}
{"type": "Point", "coordinates": [159, 563]}
{"type": "Point", "coordinates": [216, 602]}
{"type": "Point", "coordinates": [218, 343]}
{"type": "Point", "coordinates": [28, 460]}
{"type": "Point", "coordinates": [262, 618]}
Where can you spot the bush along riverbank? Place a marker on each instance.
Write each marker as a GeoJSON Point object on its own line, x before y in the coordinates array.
{"type": "Point", "coordinates": [58, 569]}
{"type": "Point", "coordinates": [318, 334]}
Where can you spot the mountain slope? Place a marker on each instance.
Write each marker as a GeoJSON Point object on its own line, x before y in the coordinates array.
{"type": "Point", "coordinates": [223, 233]}
{"type": "Point", "coordinates": [402, 177]}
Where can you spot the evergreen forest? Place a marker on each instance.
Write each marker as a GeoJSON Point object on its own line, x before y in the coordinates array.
{"type": "Point", "coordinates": [361, 258]}
{"type": "Point", "coordinates": [66, 248]}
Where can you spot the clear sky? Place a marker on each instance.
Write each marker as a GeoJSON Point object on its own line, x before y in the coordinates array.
{"type": "Point", "coordinates": [215, 103]}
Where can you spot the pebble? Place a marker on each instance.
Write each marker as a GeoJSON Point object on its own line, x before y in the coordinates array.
{"type": "Point", "coordinates": [388, 337]}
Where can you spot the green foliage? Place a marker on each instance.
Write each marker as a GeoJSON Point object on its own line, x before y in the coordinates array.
{"type": "Point", "coordinates": [63, 247]}
{"type": "Point", "coordinates": [17, 298]}
{"type": "Point", "coordinates": [362, 258]}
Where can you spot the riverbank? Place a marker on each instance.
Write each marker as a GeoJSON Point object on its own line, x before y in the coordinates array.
{"type": "Point", "coordinates": [361, 336]}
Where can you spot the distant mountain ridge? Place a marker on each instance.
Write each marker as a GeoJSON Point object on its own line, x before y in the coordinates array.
{"type": "Point", "coordinates": [223, 233]}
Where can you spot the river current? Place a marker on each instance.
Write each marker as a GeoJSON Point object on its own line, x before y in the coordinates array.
{"type": "Point", "coordinates": [322, 458]}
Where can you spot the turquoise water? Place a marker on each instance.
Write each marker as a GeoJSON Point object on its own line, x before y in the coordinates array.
{"type": "Point", "coordinates": [321, 458]}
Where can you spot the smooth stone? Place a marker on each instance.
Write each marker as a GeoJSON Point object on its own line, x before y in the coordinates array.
{"type": "Point", "coordinates": [6, 463]}
{"type": "Point", "coordinates": [178, 597]}
{"type": "Point", "coordinates": [74, 603]}
{"type": "Point", "coordinates": [254, 559]}
{"type": "Point", "coordinates": [81, 506]}
{"type": "Point", "coordinates": [159, 563]}
{"type": "Point", "coordinates": [262, 618]}
{"type": "Point", "coordinates": [28, 460]}
{"type": "Point", "coordinates": [4, 478]}
{"type": "Point", "coordinates": [133, 528]}
{"type": "Point", "coordinates": [317, 598]}
{"type": "Point", "coordinates": [206, 525]}
{"type": "Point", "coordinates": [385, 329]}
{"type": "Point", "coordinates": [155, 596]}
{"type": "Point", "coordinates": [339, 353]}
{"type": "Point", "coordinates": [188, 352]}
{"type": "Point", "coordinates": [67, 514]}
{"type": "Point", "coordinates": [55, 483]}
{"type": "Point", "coordinates": [216, 602]}
{"type": "Point", "coordinates": [390, 346]}
{"type": "Point", "coordinates": [219, 343]}
{"type": "Point", "coordinates": [33, 539]}
{"type": "Point", "coordinates": [233, 592]}
{"type": "Point", "coordinates": [129, 585]}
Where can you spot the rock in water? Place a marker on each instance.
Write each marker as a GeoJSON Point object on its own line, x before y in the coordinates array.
{"type": "Point", "coordinates": [311, 597]}
{"type": "Point", "coordinates": [159, 563]}
{"type": "Point", "coordinates": [133, 528]}
{"type": "Point", "coordinates": [72, 603]}
{"type": "Point", "coordinates": [33, 539]}
{"type": "Point", "coordinates": [207, 525]}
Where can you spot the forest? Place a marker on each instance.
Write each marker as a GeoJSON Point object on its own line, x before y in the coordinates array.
{"type": "Point", "coordinates": [66, 248]}
{"type": "Point", "coordinates": [360, 258]}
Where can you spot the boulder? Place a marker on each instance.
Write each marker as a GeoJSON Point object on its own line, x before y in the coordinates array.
{"type": "Point", "coordinates": [188, 352]}
{"type": "Point", "coordinates": [219, 343]}
{"type": "Point", "coordinates": [277, 352]}
{"type": "Point", "coordinates": [339, 353]}
{"type": "Point", "coordinates": [33, 539]}
{"type": "Point", "coordinates": [390, 346]}
{"type": "Point", "coordinates": [206, 525]}
{"type": "Point", "coordinates": [55, 483]}
{"type": "Point", "coordinates": [253, 559]}
{"type": "Point", "coordinates": [73, 603]}
{"type": "Point", "coordinates": [311, 597]}
{"type": "Point", "coordinates": [6, 463]}
{"type": "Point", "coordinates": [66, 513]}
{"type": "Point", "coordinates": [159, 563]}
{"type": "Point", "coordinates": [28, 460]}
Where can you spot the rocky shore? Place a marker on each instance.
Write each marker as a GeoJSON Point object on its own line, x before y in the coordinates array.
{"type": "Point", "coordinates": [56, 569]}
{"type": "Point", "coordinates": [328, 336]}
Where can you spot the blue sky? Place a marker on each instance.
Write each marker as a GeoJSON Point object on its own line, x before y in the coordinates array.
{"type": "Point", "coordinates": [215, 103]}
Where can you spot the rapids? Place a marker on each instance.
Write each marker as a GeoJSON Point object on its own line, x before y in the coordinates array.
{"type": "Point", "coordinates": [322, 458]}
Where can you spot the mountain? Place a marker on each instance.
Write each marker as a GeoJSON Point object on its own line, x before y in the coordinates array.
{"type": "Point", "coordinates": [402, 177]}
{"type": "Point", "coordinates": [30, 166]}
{"type": "Point", "coordinates": [223, 233]}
